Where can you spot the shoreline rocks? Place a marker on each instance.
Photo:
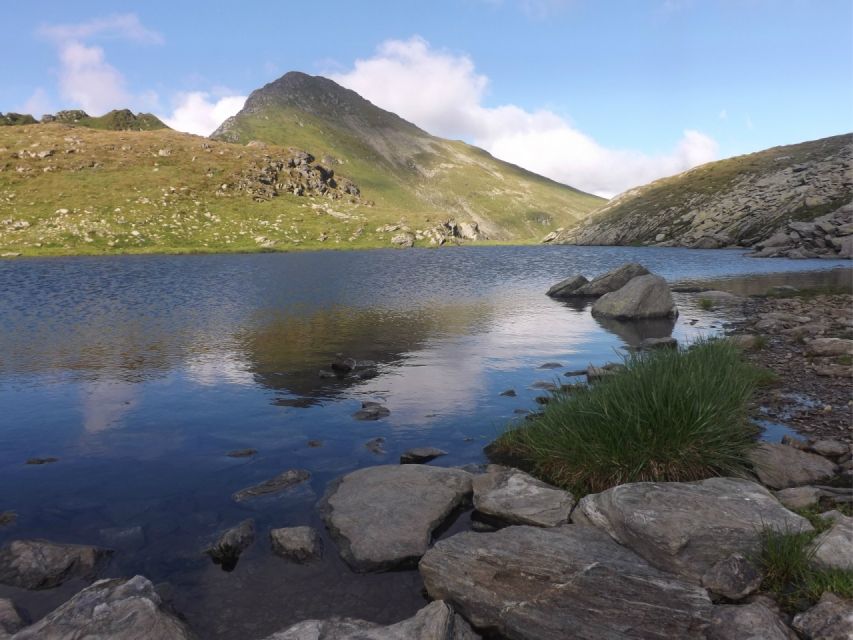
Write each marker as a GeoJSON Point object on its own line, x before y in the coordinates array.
{"type": "Point", "coordinates": [642, 297]}
{"type": "Point", "coordinates": [514, 497]}
{"type": "Point", "coordinates": [40, 564]}
{"type": "Point", "coordinates": [383, 517]}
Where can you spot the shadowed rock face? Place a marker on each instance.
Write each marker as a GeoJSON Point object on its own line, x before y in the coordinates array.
{"type": "Point", "coordinates": [436, 621]}
{"type": "Point", "coordinates": [39, 564]}
{"type": "Point", "coordinates": [539, 584]}
{"type": "Point", "coordinates": [383, 517]}
{"type": "Point", "coordinates": [687, 528]}
{"type": "Point", "coordinates": [116, 609]}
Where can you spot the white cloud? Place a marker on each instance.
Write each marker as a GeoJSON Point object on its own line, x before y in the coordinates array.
{"type": "Point", "coordinates": [442, 92]}
{"type": "Point", "coordinates": [86, 79]}
{"type": "Point", "coordinates": [199, 113]}
{"type": "Point", "coordinates": [37, 104]}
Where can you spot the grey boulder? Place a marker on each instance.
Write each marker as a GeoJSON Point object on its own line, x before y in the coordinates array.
{"type": "Point", "coordinates": [612, 280]}
{"type": "Point", "coordinates": [436, 621]}
{"type": "Point", "coordinates": [39, 564]}
{"type": "Point", "coordinates": [829, 619]}
{"type": "Point", "coordinates": [231, 543]}
{"type": "Point", "coordinates": [567, 288]}
{"type": "Point", "coordinates": [779, 466]}
{"type": "Point", "coordinates": [689, 527]}
{"type": "Point", "coordinates": [754, 621]}
{"type": "Point", "coordinates": [734, 577]}
{"type": "Point", "coordinates": [572, 581]}
{"type": "Point", "coordinates": [383, 517]}
{"type": "Point", "coordinates": [515, 497]}
{"type": "Point", "coordinates": [300, 544]}
{"type": "Point", "coordinates": [643, 297]}
{"type": "Point", "coordinates": [119, 609]}
{"type": "Point", "coordinates": [833, 549]}
{"type": "Point", "coordinates": [10, 619]}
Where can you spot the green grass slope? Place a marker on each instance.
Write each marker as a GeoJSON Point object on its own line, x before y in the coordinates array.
{"type": "Point", "coordinates": [736, 201]}
{"type": "Point", "coordinates": [406, 172]}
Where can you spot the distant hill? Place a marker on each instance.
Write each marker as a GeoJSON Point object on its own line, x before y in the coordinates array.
{"type": "Point", "coordinates": [415, 180]}
{"type": "Point", "coordinates": [13, 119]}
{"type": "Point", "coordinates": [742, 201]}
{"type": "Point", "coordinates": [116, 120]}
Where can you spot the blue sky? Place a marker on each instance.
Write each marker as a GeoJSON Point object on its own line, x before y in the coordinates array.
{"type": "Point", "coordinates": [601, 94]}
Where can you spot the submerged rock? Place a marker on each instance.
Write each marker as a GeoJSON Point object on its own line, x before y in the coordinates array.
{"type": "Point", "coordinates": [420, 455]}
{"type": "Point", "coordinates": [281, 482]}
{"type": "Point", "coordinates": [241, 453]}
{"type": "Point", "coordinates": [371, 411]}
{"type": "Point", "coordinates": [436, 621]}
{"type": "Point", "coordinates": [642, 297]}
{"type": "Point", "coordinates": [233, 542]}
{"type": "Point", "coordinates": [687, 528]}
{"type": "Point", "coordinates": [515, 497]}
{"type": "Point", "coordinates": [383, 517]}
{"type": "Point", "coordinates": [39, 564]}
{"type": "Point", "coordinates": [300, 544]}
{"type": "Point", "coordinates": [779, 466]}
{"type": "Point", "coordinates": [122, 609]}
{"type": "Point", "coordinates": [569, 581]}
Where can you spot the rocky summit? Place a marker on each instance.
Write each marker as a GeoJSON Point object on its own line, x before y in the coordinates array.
{"type": "Point", "coordinates": [792, 201]}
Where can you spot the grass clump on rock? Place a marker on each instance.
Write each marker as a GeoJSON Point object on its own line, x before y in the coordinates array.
{"type": "Point", "coordinates": [790, 574]}
{"type": "Point", "coordinates": [669, 415]}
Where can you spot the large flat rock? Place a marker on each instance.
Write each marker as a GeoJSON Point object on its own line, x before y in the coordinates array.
{"type": "Point", "coordinates": [515, 497]}
{"type": "Point", "coordinates": [116, 609]}
{"type": "Point", "coordinates": [40, 564]}
{"type": "Point", "coordinates": [436, 621]}
{"type": "Point", "coordinates": [383, 517]}
{"type": "Point", "coordinates": [780, 466]}
{"type": "Point", "coordinates": [687, 528]}
{"type": "Point", "coordinates": [532, 583]}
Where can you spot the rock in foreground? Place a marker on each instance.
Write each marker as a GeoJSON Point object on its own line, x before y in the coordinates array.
{"type": "Point", "coordinates": [570, 581]}
{"type": "Point", "coordinates": [515, 497]}
{"type": "Point", "coordinates": [383, 517]}
{"type": "Point", "coordinates": [829, 619]}
{"type": "Point", "coordinates": [643, 297]}
{"type": "Point", "coordinates": [39, 564]}
{"type": "Point", "coordinates": [300, 544]}
{"type": "Point", "coordinates": [687, 528]}
{"type": "Point", "coordinates": [436, 621]}
{"type": "Point", "coordinates": [115, 609]}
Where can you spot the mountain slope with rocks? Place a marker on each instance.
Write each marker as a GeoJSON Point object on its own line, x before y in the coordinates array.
{"type": "Point", "coordinates": [794, 201]}
{"type": "Point", "coordinates": [421, 185]}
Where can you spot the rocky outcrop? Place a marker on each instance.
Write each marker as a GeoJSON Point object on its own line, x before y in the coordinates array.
{"type": "Point", "coordinates": [779, 466]}
{"type": "Point", "coordinates": [300, 544]}
{"type": "Point", "coordinates": [540, 584]}
{"type": "Point", "coordinates": [383, 517]}
{"type": "Point", "coordinates": [39, 564]}
{"type": "Point", "coordinates": [436, 621]}
{"type": "Point", "coordinates": [829, 619]}
{"type": "Point", "coordinates": [567, 288]}
{"type": "Point", "coordinates": [792, 201]}
{"type": "Point", "coordinates": [14, 119]}
{"type": "Point", "coordinates": [514, 497]}
{"type": "Point", "coordinates": [116, 609]}
{"type": "Point", "coordinates": [295, 174]}
{"type": "Point", "coordinates": [687, 528]}
{"type": "Point", "coordinates": [641, 298]}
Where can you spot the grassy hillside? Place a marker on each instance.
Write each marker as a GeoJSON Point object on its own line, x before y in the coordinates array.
{"type": "Point", "coordinates": [69, 189]}
{"type": "Point", "coordinates": [738, 200]}
{"type": "Point", "coordinates": [407, 172]}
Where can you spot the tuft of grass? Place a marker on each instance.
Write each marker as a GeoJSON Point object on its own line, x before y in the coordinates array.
{"type": "Point", "coordinates": [761, 342]}
{"type": "Point", "coordinates": [706, 304]}
{"type": "Point", "coordinates": [669, 415]}
{"type": "Point", "coordinates": [785, 559]}
{"type": "Point", "coordinates": [845, 360]}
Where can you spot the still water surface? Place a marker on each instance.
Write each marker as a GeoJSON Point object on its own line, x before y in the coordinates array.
{"type": "Point", "coordinates": [140, 373]}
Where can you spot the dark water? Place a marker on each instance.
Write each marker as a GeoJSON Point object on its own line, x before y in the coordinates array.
{"type": "Point", "coordinates": [140, 373]}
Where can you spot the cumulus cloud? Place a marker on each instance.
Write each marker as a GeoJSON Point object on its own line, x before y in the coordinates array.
{"type": "Point", "coordinates": [442, 92]}
{"type": "Point", "coordinates": [86, 79]}
{"type": "Point", "coordinates": [38, 103]}
{"type": "Point", "coordinates": [200, 113]}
